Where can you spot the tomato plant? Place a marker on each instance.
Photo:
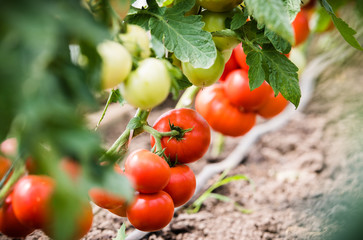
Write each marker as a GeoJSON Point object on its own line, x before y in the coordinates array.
{"type": "Point", "coordinates": [116, 65]}
{"type": "Point", "coordinates": [182, 184]}
{"type": "Point", "coordinates": [238, 91]}
{"type": "Point", "coordinates": [151, 212]}
{"type": "Point", "coordinates": [149, 172]}
{"type": "Point", "coordinates": [203, 77]}
{"type": "Point", "coordinates": [148, 85]}
{"type": "Point", "coordinates": [219, 5]}
{"type": "Point", "coordinates": [31, 200]}
{"type": "Point", "coordinates": [194, 138]}
{"type": "Point", "coordinates": [213, 104]}
{"type": "Point", "coordinates": [9, 224]}
{"type": "Point", "coordinates": [136, 41]}
{"type": "Point", "coordinates": [273, 106]}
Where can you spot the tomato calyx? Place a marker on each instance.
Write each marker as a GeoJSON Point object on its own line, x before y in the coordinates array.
{"type": "Point", "coordinates": [181, 132]}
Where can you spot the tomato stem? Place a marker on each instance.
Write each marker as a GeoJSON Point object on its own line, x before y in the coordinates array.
{"type": "Point", "coordinates": [109, 100]}
{"type": "Point", "coordinates": [19, 171]}
{"type": "Point", "coordinates": [186, 100]}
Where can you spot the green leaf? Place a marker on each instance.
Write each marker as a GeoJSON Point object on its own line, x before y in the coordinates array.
{"type": "Point", "coordinates": [121, 233]}
{"type": "Point", "coordinates": [273, 15]}
{"type": "Point", "coordinates": [282, 76]}
{"type": "Point", "coordinates": [117, 97]}
{"type": "Point", "coordinates": [158, 47]}
{"type": "Point", "coordinates": [181, 35]}
{"type": "Point", "coordinates": [256, 74]}
{"type": "Point", "coordinates": [220, 197]}
{"type": "Point", "coordinates": [278, 42]}
{"type": "Point", "coordinates": [239, 19]}
{"type": "Point", "coordinates": [138, 17]}
{"type": "Point", "coordinates": [344, 29]}
{"type": "Point", "coordinates": [321, 20]}
{"type": "Point", "coordinates": [292, 7]}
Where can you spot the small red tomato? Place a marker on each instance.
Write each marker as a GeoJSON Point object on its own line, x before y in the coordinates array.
{"type": "Point", "coordinates": [231, 65]}
{"type": "Point", "coordinates": [9, 224]}
{"type": "Point", "coordinates": [213, 104]}
{"type": "Point", "coordinates": [119, 211]}
{"type": "Point", "coordinates": [240, 57]}
{"type": "Point", "coordinates": [105, 199]}
{"type": "Point", "coordinates": [151, 212]}
{"type": "Point", "coordinates": [273, 106]}
{"type": "Point", "coordinates": [238, 91]}
{"type": "Point", "coordinates": [191, 145]}
{"type": "Point", "coordinates": [181, 186]}
{"type": "Point", "coordinates": [31, 200]}
{"type": "Point", "coordinates": [301, 27]}
{"type": "Point", "coordinates": [148, 172]}
{"type": "Point", "coordinates": [5, 165]}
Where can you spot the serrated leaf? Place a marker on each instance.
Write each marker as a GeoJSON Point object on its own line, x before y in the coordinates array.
{"type": "Point", "coordinates": [278, 42]}
{"type": "Point", "coordinates": [344, 29]}
{"type": "Point", "coordinates": [134, 123]}
{"type": "Point", "coordinates": [117, 97]}
{"type": "Point", "coordinates": [184, 35]}
{"type": "Point", "coordinates": [282, 76]}
{"type": "Point", "coordinates": [256, 74]}
{"type": "Point", "coordinates": [138, 17]}
{"type": "Point", "coordinates": [292, 7]}
{"type": "Point", "coordinates": [273, 15]}
{"type": "Point", "coordinates": [238, 19]}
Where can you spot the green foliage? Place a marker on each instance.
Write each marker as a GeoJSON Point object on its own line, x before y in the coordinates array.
{"type": "Point", "coordinates": [121, 233]}
{"type": "Point", "coordinates": [182, 35]}
{"type": "Point", "coordinates": [344, 29]}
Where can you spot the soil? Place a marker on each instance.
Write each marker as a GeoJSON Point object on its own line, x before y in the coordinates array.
{"type": "Point", "coordinates": [304, 177]}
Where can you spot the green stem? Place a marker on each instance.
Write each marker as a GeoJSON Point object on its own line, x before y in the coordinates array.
{"type": "Point", "coordinates": [105, 109]}
{"type": "Point", "coordinates": [19, 171]}
{"type": "Point", "coordinates": [158, 135]}
{"type": "Point", "coordinates": [187, 98]}
{"type": "Point", "coordinates": [218, 145]}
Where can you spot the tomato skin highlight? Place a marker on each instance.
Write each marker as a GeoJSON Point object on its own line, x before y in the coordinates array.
{"type": "Point", "coordinates": [238, 91]}
{"type": "Point", "coordinates": [273, 106]}
{"type": "Point", "coordinates": [193, 145]}
{"type": "Point", "coordinates": [181, 186]}
{"type": "Point", "coordinates": [149, 172]}
{"type": "Point", "coordinates": [219, 5]}
{"type": "Point", "coordinates": [203, 77]}
{"type": "Point", "coordinates": [301, 27]}
{"type": "Point", "coordinates": [240, 56]}
{"type": "Point", "coordinates": [213, 104]}
{"type": "Point", "coordinates": [31, 200]}
{"type": "Point", "coordinates": [151, 212]}
{"type": "Point", "coordinates": [9, 224]}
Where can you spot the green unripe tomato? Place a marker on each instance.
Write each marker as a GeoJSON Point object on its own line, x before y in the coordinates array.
{"type": "Point", "coordinates": [216, 22]}
{"type": "Point", "coordinates": [219, 5]}
{"type": "Point", "coordinates": [116, 64]}
{"type": "Point", "coordinates": [203, 77]}
{"type": "Point", "coordinates": [192, 11]}
{"type": "Point", "coordinates": [227, 54]}
{"type": "Point", "coordinates": [148, 85]}
{"type": "Point", "coordinates": [136, 41]}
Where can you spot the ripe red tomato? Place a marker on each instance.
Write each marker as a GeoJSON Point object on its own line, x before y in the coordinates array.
{"type": "Point", "coordinates": [190, 146]}
{"type": "Point", "coordinates": [31, 200]}
{"type": "Point", "coordinates": [301, 27]}
{"type": "Point", "coordinates": [9, 224]}
{"type": "Point", "coordinates": [181, 186]}
{"type": "Point", "coordinates": [151, 212]}
{"type": "Point", "coordinates": [105, 199]}
{"type": "Point", "coordinates": [213, 104]}
{"type": "Point", "coordinates": [230, 65]}
{"type": "Point", "coordinates": [5, 165]}
{"type": "Point", "coordinates": [119, 211]}
{"type": "Point", "coordinates": [71, 167]}
{"type": "Point", "coordinates": [240, 56]}
{"type": "Point", "coordinates": [238, 91]}
{"type": "Point", "coordinates": [149, 172]}
{"type": "Point", "coordinates": [273, 106]}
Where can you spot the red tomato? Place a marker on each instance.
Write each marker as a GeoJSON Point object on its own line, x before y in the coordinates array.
{"type": "Point", "coordinates": [83, 223]}
{"type": "Point", "coordinates": [301, 27]}
{"type": "Point", "coordinates": [5, 165]}
{"type": "Point", "coordinates": [119, 211]}
{"type": "Point", "coordinates": [31, 200]}
{"type": "Point", "coordinates": [71, 167]}
{"type": "Point", "coordinates": [151, 212]}
{"type": "Point", "coordinates": [105, 199]}
{"type": "Point", "coordinates": [191, 145]}
{"type": "Point", "coordinates": [213, 104]}
{"type": "Point", "coordinates": [181, 186]}
{"type": "Point", "coordinates": [148, 172]}
{"type": "Point", "coordinates": [240, 56]}
{"type": "Point", "coordinates": [238, 91]}
{"type": "Point", "coordinates": [9, 224]}
{"type": "Point", "coordinates": [229, 67]}
{"type": "Point", "coordinates": [274, 106]}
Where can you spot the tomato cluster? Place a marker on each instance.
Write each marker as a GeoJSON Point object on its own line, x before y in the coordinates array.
{"type": "Point", "coordinates": [230, 107]}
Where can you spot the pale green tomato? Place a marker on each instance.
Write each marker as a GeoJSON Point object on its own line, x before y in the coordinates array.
{"type": "Point", "coordinates": [216, 22]}
{"type": "Point", "coordinates": [116, 64]}
{"type": "Point", "coordinates": [203, 77]}
{"type": "Point", "coordinates": [227, 54]}
{"type": "Point", "coordinates": [136, 41]}
{"type": "Point", "coordinates": [219, 5]}
{"type": "Point", "coordinates": [148, 85]}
